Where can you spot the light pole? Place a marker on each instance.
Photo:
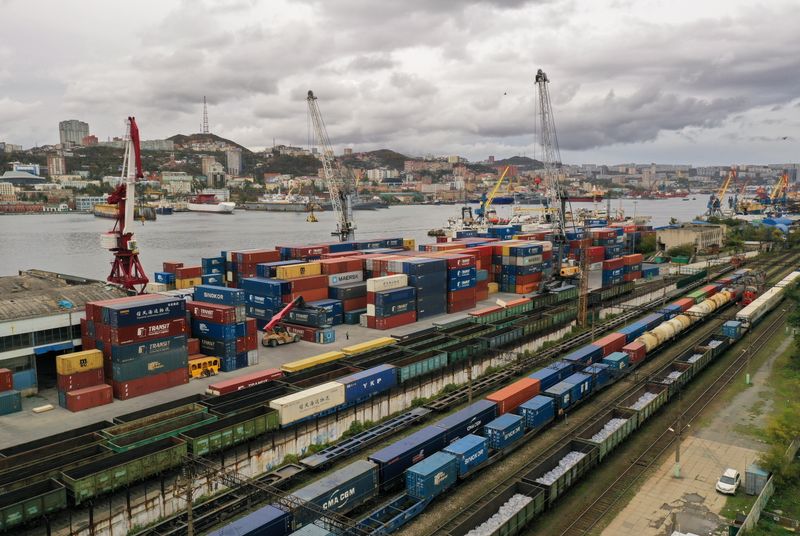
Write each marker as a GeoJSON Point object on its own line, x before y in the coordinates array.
{"type": "Point", "coordinates": [68, 305]}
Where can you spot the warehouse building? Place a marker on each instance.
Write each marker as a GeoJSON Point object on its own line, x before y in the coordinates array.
{"type": "Point", "coordinates": [707, 238]}
{"type": "Point", "coordinates": [40, 318]}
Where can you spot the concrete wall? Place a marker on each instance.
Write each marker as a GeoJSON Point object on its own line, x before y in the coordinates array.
{"type": "Point", "coordinates": [119, 513]}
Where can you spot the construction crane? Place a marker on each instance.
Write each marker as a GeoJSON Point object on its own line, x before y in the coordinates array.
{"type": "Point", "coordinates": [715, 201]}
{"type": "Point", "coordinates": [486, 204]}
{"type": "Point", "coordinates": [340, 185]}
{"type": "Point", "coordinates": [126, 270]}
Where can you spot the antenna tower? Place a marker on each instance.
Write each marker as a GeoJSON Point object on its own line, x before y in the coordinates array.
{"type": "Point", "coordinates": [205, 116]}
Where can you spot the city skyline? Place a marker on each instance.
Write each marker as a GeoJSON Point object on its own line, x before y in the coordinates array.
{"type": "Point", "coordinates": [631, 82]}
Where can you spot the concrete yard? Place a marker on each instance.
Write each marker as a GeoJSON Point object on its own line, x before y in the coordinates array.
{"type": "Point", "coordinates": [26, 426]}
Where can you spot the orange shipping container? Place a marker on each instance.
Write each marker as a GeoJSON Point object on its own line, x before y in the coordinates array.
{"type": "Point", "coordinates": [510, 397]}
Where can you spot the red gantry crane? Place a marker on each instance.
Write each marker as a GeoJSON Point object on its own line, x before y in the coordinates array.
{"type": "Point", "coordinates": [126, 270]}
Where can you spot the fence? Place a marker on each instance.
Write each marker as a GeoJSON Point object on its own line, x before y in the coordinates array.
{"type": "Point", "coordinates": [754, 515]}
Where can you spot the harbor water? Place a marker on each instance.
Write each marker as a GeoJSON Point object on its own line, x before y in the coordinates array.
{"type": "Point", "coordinates": [70, 243]}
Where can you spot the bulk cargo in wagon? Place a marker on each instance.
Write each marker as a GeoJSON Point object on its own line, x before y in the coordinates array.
{"type": "Point", "coordinates": [562, 469]}
{"type": "Point", "coordinates": [610, 431]}
{"type": "Point", "coordinates": [30, 503]}
{"type": "Point", "coordinates": [514, 524]}
{"type": "Point", "coordinates": [308, 402]}
{"type": "Point", "coordinates": [340, 491]}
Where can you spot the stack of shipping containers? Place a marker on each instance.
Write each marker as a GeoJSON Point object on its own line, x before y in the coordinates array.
{"type": "Point", "coordinates": [226, 334]}
{"type": "Point", "coordinates": [80, 381]}
{"type": "Point", "coordinates": [10, 400]}
{"type": "Point", "coordinates": [390, 302]}
{"type": "Point", "coordinates": [143, 341]}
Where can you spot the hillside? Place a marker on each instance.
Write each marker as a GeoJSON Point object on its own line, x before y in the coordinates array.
{"type": "Point", "coordinates": [522, 162]}
{"type": "Point", "coordinates": [183, 140]}
{"type": "Point", "coordinates": [376, 159]}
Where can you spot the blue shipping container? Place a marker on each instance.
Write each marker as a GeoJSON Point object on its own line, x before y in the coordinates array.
{"type": "Point", "coordinates": [367, 383]}
{"type": "Point", "coordinates": [582, 381]}
{"type": "Point", "coordinates": [268, 302]}
{"type": "Point", "coordinates": [537, 412]}
{"type": "Point", "coordinates": [461, 284]}
{"type": "Point", "coordinates": [652, 320]}
{"type": "Point", "coordinates": [327, 335]}
{"type": "Point", "coordinates": [213, 330]}
{"type": "Point", "coordinates": [563, 394]}
{"type": "Point", "coordinates": [150, 365]}
{"type": "Point", "coordinates": [340, 491]}
{"type": "Point", "coordinates": [212, 279]}
{"type": "Point", "coordinates": [504, 430]}
{"type": "Point", "coordinates": [261, 286]}
{"type": "Point", "coordinates": [398, 295]}
{"type": "Point", "coordinates": [585, 354]}
{"type": "Point", "coordinates": [10, 402]}
{"type": "Point", "coordinates": [261, 313]}
{"type": "Point", "coordinates": [430, 477]}
{"type": "Point", "coordinates": [564, 368]}
{"type": "Point", "coordinates": [600, 374]}
{"type": "Point", "coordinates": [633, 330]}
{"type": "Point", "coordinates": [266, 521]}
{"type": "Point", "coordinates": [131, 352]}
{"type": "Point", "coordinates": [470, 451]}
{"type": "Point", "coordinates": [547, 377]}
{"type": "Point", "coordinates": [141, 312]}
{"type": "Point", "coordinates": [218, 294]}
{"type": "Point", "coordinates": [469, 420]}
{"type": "Point", "coordinates": [617, 360]}
{"type": "Point", "coordinates": [166, 278]}
{"type": "Point", "coordinates": [402, 454]}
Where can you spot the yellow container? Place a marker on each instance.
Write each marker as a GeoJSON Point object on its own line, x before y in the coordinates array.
{"type": "Point", "coordinates": [294, 271]}
{"type": "Point", "coordinates": [409, 244]}
{"type": "Point", "coordinates": [79, 362]}
{"type": "Point", "coordinates": [313, 361]}
{"type": "Point", "coordinates": [374, 344]}
{"type": "Point", "coordinates": [188, 283]}
{"type": "Point", "coordinates": [494, 288]}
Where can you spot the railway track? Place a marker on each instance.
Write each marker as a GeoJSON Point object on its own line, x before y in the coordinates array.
{"type": "Point", "coordinates": [589, 518]}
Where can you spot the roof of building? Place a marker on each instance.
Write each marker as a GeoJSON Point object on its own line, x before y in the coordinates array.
{"type": "Point", "coordinates": [22, 177]}
{"type": "Point", "coordinates": [37, 293]}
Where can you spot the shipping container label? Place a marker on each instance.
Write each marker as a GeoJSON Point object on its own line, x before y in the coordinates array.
{"type": "Point", "coordinates": [346, 277]}
{"type": "Point", "coordinates": [154, 330]}
{"type": "Point", "coordinates": [469, 459]}
{"type": "Point", "coordinates": [339, 498]}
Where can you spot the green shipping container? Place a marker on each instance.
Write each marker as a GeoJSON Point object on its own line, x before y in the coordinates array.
{"type": "Point", "coordinates": [31, 502]}
{"type": "Point", "coordinates": [231, 431]}
{"type": "Point", "coordinates": [420, 364]}
{"type": "Point", "coordinates": [120, 470]}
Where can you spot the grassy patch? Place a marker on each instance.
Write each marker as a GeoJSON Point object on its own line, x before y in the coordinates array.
{"type": "Point", "coordinates": [741, 503]}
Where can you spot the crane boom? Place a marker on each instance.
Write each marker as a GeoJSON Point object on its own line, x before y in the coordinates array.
{"type": "Point", "coordinates": [339, 185]}
{"type": "Point", "coordinates": [487, 203]}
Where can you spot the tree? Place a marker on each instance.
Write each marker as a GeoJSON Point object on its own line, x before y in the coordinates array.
{"type": "Point", "coordinates": [682, 250]}
{"type": "Point", "coordinates": [647, 245]}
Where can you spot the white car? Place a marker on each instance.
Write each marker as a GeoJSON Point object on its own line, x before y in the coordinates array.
{"type": "Point", "coordinates": [729, 482]}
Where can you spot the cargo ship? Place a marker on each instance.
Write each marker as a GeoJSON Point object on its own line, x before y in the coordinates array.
{"type": "Point", "coordinates": [106, 210]}
{"type": "Point", "coordinates": [283, 203]}
{"type": "Point", "coordinates": [209, 203]}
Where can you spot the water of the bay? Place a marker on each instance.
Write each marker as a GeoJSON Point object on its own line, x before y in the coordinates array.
{"type": "Point", "coordinates": [69, 243]}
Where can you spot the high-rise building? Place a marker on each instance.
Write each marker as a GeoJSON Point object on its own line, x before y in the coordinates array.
{"type": "Point", "coordinates": [205, 164]}
{"type": "Point", "coordinates": [234, 160]}
{"type": "Point", "coordinates": [348, 151]}
{"type": "Point", "coordinates": [72, 132]}
{"type": "Point", "coordinates": [56, 165]}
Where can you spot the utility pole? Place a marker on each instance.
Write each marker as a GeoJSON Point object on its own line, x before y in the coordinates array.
{"type": "Point", "coordinates": [469, 380]}
{"type": "Point", "coordinates": [188, 490]}
{"type": "Point", "coordinates": [678, 427]}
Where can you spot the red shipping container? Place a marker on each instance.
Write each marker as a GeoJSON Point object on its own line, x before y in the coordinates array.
{"type": "Point", "coordinates": [481, 294]}
{"type": "Point", "coordinates": [89, 397]}
{"type": "Point", "coordinates": [636, 351]}
{"type": "Point", "coordinates": [80, 380]}
{"type": "Point", "coordinates": [631, 276]}
{"type": "Point", "coordinates": [310, 251]}
{"type": "Point", "coordinates": [188, 272]}
{"type": "Point", "coordinates": [457, 307]}
{"type": "Point", "coordinates": [308, 295]}
{"type": "Point", "coordinates": [149, 384]}
{"type": "Point", "coordinates": [525, 289]}
{"type": "Point", "coordinates": [354, 304]}
{"type": "Point", "coordinates": [636, 258]}
{"type": "Point", "coordinates": [310, 282]}
{"type": "Point", "coordinates": [510, 397]}
{"type": "Point", "coordinates": [461, 295]}
{"type": "Point", "coordinates": [193, 345]}
{"type": "Point", "coordinates": [255, 256]}
{"type": "Point", "coordinates": [613, 264]}
{"type": "Point", "coordinates": [341, 254]}
{"type": "Point", "coordinates": [340, 266]}
{"type": "Point", "coordinates": [306, 333]}
{"type": "Point", "coordinates": [613, 342]}
{"type": "Point", "coordinates": [547, 255]}
{"type": "Point", "coordinates": [395, 321]}
{"type": "Point", "coordinates": [213, 312]}
{"type": "Point", "coordinates": [94, 310]}
{"type": "Point", "coordinates": [252, 326]}
{"type": "Point", "coordinates": [143, 332]}
{"type": "Point", "coordinates": [685, 303]}
{"type": "Point", "coordinates": [88, 343]}
{"type": "Point", "coordinates": [596, 254]}
{"type": "Point", "coordinates": [6, 379]}
{"type": "Point", "coordinates": [530, 278]}
{"type": "Point", "coordinates": [245, 344]}
{"type": "Point", "coordinates": [603, 233]}
{"type": "Point", "coordinates": [243, 382]}
{"type": "Point", "coordinates": [171, 266]}
{"type": "Point", "coordinates": [710, 290]}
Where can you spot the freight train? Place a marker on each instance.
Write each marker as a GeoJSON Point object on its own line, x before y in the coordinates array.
{"type": "Point", "coordinates": [159, 438]}
{"type": "Point", "coordinates": [435, 458]}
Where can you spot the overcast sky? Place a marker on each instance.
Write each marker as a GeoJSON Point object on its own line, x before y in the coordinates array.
{"type": "Point", "coordinates": [673, 81]}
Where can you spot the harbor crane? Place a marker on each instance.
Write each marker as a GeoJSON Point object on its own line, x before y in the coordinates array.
{"type": "Point", "coordinates": [339, 182]}
{"type": "Point", "coordinates": [126, 269]}
{"type": "Point", "coordinates": [715, 201]}
{"type": "Point", "coordinates": [483, 211]}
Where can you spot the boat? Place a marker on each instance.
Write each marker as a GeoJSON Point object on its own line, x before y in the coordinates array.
{"type": "Point", "coordinates": [106, 210]}
{"type": "Point", "coordinates": [209, 203]}
{"type": "Point", "coordinates": [164, 211]}
{"type": "Point", "coordinates": [282, 203]}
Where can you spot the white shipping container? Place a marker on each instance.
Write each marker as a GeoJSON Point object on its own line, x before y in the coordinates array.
{"type": "Point", "coordinates": [389, 282]}
{"type": "Point", "coordinates": [309, 401]}
{"type": "Point", "coordinates": [528, 261]}
{"type": "Point", "coordinates": [159, 287]}
{"type": "Point", "coordinates": [346, 277]}
{"type": "Point", "coordinates": [370, 309]}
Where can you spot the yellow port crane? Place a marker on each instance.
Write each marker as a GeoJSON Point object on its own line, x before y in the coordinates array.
{"type": "Point", "coordinates": [483, 211]}
{"type": "Point", "coordinates": [781, 187]}
{"type": "Point", "coordinates": [715, 201]}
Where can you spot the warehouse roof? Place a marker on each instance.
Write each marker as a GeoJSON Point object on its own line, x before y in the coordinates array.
{"type": "Point", "coordinates": [37, 293]}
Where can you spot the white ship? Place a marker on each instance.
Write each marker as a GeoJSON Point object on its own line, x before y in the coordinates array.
{"type": "Point", "coordinates": [209, 203]}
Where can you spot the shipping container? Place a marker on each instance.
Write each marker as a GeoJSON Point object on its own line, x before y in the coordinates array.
{"type": "Point", "coordinates": [504, 431]}
{"type": "Point", "coordinates": [340, 491]}
{"type": "Point", "coordinates": [612, 342]}
{"type": "Point", "coordinates": [219, 295]}
{"type": "Point", "coordinates": [587, 354]}
{"type": "Point", "coordinates": [150, 365]}
{"type": "Point", "coordinates": [143, 332]}
{"type": "Point", "coordinates": [79, 362]}
{"type": "Point", "coordinates": [617, 360]}
{"type": "Point", "coordinates": [368, 383]}
{"type": "Point", "coordinates": [469, 420]}
{"type": "Point", "coordinates": [6, 379]}
{"type": "Point", "coordinates": [266, 521]}
{"type": "Point", "coordinates": [432, 476]}
{"type": "Point", "coordinates": [394, 459]}
{"type": "Point", "coordinates": [89, 397]}
{"type": "Point", "coordinates": [537, 412]}
{"type": "Point", "coordinates": [547, 377]}
{"type": "Point", "coordinates": [637, 351]}
{"type": "Point", "coordinates": [308, 402]}
{"type": "Point", "coordinates": [153, 309]}
{"type": "Point", "coordinates": [243, 382]}
{"type": "Point", "coordinates": [600, 374]}
{"type": "Point", "coordinates": [79, 380]}
{"type": "Point", "coordinates": [159, 348]}
{"type": "Point", "coordinates": [124, 390]}
{"type": "Point", "coordinates": [470, 451]}
{"type": "Point", "coordinates": [10, 402]}
{"type": "Point", "coordinates": [510, 397]}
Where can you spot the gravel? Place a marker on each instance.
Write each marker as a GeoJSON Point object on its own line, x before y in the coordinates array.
{"type": "Point", "coordinates": [563, 466]}
{"type": "Point", "coordinates": [672, 376]}
{"type": "Point", "coordinates": [609, 428]}
{"type": "Point", "coordinates": [513, 505]}
{"type": "Point", "coordinates": [643, 400]}
{"type": "Point", "coordinates": [714, 344]}
{"type": "Point", "coordinates": [695, 357]}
